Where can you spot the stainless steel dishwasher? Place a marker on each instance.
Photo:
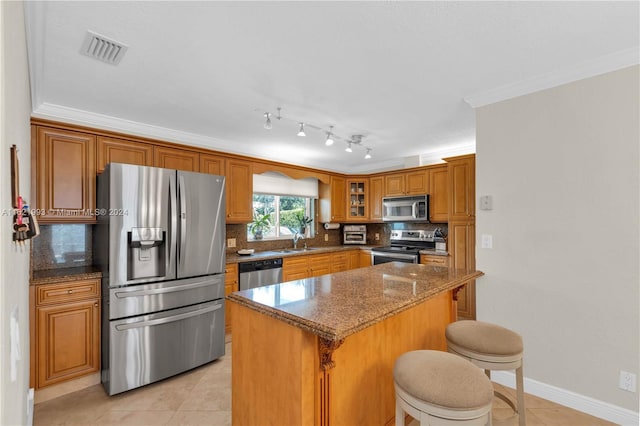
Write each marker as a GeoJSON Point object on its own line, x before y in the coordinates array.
{"type": "Point", "coordinates": [260, 272]}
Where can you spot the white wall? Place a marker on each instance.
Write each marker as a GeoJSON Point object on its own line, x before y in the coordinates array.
{"type": "Point", "coordinates": [563, 168]}
{"type": "Point", "coordinates": [14, 262]}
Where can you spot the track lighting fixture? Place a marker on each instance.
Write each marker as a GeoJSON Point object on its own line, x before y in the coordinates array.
{"type": "Point", "coordinates": [329, 140]}
{"type": "Point", "coordinates": [301, 131]}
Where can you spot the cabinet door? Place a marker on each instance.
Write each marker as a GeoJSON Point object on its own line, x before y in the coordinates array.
{"type": "Point", "coordinates": [357, 200]}
{"type": "Point", "coordinates": [239, 191]}
{"type": "Point", "coordinates": [64, 175]}
{"type": "Point", "coordinates": [319, 264]}
{"type": "Point", "coordinates": [230, 285]}
{"type": "Point", "coordinates": [68, 341]}
{"type": "Point", "coordinates": [462, 250]}
{"type": "Point", "coordinates": [353, 258]}
{"type": "Point", "coordinates": [211, 164]}
{"type": "Point", "coordinates": [339, 262]}
{"type": "Point", "coordinates": [365, 258]}
{"type": "Point", "coordinates": [461, 188]}
{"type": "Point", "coordinates": [179, 159]}
{"type": "Point", "coordinates": [295, 268]}
{"type": "Point", "coordinates": [417, 182]}
{"type": "Point", "coordinates": [394, 184]}
{"type": "Point", "coordinates": [376, 192]}
{"type": "Point", "coordinates": [112, 150]}
{"type": "Point", "coordinates": [338, 200]}
{"type": "Point", "coordinates": [438, 194]}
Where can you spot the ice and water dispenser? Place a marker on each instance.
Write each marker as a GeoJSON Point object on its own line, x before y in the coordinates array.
{"type": "Point", "coordinates": [146, 253]}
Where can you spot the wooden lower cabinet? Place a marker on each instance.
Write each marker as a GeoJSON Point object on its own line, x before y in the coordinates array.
{"type": "Point", "coordinates": [67, 331]}
{"type": "Point", "coordinates": [365, 258]}
{"type": "Point", "coordinates": [230, 285]}
{"type": "Point", "coordinates": [462, 243]}
{"type": "Point", "coordinates": [339, 262]}
{"type": "Point", "coordinates": [306, 380]}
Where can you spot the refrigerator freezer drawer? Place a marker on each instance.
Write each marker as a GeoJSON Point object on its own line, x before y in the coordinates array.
{"type": "Point", "coordinates": [149, 348]}
{"type": "Point", "coordinates": [147, 298]}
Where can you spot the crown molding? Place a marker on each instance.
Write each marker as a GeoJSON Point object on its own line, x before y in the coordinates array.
{"type": "Point", "coordinates": [601, 65]}
{"type": "Point", "coordinates": [105, 122]}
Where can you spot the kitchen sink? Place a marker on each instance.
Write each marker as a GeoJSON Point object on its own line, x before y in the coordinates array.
{"type": "Point", "coordinates": [295, 250]}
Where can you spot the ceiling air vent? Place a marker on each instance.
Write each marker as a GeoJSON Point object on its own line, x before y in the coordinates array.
{"type": "Point", "coordinates": [102, 48]}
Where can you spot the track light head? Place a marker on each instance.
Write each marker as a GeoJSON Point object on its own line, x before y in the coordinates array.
{"type": "Point", "coordinates": [329, 140]}
{"type": "Point", "coordinates": [301, 131]}
{"type": "Point", "coordinates": [349, 147]}
{"type": "Point", "coordinates": [267, 123]}
{"type": "Point", "coordinates": [368, 154]}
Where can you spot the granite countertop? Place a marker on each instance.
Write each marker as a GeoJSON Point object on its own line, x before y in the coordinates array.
{"type": "Point", "coordinates": [290, 252]}
{"type": "Point", "coordinates": [335, 306]}
{"type": "Point", "coordinates": [50, 276]}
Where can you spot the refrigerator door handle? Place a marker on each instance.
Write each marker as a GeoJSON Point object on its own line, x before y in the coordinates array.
{"type": "Point", "coordinates": [140, 324]}
{"type": "Point", "coordinates": [147, 292]}
{"type": "Point", "coordinates": [173, 223]}
{"type": "Point", "coordinates": [183, 218]}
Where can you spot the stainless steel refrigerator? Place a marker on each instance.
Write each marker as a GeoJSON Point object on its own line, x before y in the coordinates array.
{"type": "Point", "coordinates": [160, 242]}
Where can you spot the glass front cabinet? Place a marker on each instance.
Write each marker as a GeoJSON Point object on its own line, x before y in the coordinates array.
{"type": "Point", "coordinates": [357, 200]}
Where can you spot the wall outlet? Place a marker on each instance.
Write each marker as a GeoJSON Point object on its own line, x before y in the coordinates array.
{"type": "Point", "coordinates": [377, 236]}
{"type": "Point", "coordinates": [627, 381]}
{"type": "Point", "coordinates": [326, 237]}
{"type": "Point", "coordinates": [487, 241]}
{"type": "Point", "coordinates": [231, 242]}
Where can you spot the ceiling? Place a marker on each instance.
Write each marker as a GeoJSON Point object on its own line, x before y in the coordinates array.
{"type": "Point", "coordinates": [402, 74]}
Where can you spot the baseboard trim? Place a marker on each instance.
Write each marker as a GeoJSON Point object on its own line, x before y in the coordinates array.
{"type": "Point", "coordinates": [582, 403]}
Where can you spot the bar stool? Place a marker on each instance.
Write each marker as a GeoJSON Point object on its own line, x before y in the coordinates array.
{"type": "Point", "coordinates": [439, 388]}
{"type": "Point", "coordinates": [490, 347]}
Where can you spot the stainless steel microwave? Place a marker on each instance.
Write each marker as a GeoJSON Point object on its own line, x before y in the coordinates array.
{"type": "Point", "coordinates": [406, 208]}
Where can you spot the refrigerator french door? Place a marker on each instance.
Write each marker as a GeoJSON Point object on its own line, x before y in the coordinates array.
{"type": "Point", "coordinates": [160, 243]}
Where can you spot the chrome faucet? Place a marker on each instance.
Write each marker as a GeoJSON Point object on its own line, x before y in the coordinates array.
{"type": "Point", "coordinates": [296, 237]}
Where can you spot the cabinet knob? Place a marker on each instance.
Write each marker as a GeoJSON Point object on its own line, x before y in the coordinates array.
{"type": "Point", "coordinates": [70, 291]}
{"type": "Point", "coordinates": [95, 304]}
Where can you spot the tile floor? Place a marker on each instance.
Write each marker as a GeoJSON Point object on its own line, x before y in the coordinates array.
{"type": "Point", "coordinates": [203, 397]}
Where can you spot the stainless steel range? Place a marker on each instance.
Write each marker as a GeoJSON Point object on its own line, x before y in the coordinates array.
{"type": "Point", "coordinates": [160, 244]}
{"type": "Point", "coordinates": [405, 246]}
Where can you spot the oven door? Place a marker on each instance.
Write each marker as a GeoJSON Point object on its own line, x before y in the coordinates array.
{"type": "Point", "coordinates": [378, 257]}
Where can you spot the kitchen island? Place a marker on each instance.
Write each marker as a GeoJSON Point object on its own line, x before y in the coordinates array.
{"type": "Point", "coordinates": [320, 351]}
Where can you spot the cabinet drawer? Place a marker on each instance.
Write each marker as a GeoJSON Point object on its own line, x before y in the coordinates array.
{"type": "Point", "coordinates": [434, 260]}
{"type": "Point", "coordinates": [48, 294]}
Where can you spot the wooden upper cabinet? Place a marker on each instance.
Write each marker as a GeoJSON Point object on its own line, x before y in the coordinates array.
{"type": "Point", "coordinates": [462, 176]}
{"type": "Point", "coordinates": [376, 192]}
{"type": "Point", "coordinates": [239, 191]}
{"type": "Point", "coordinates": [438, 194]}
{"type": "Point", "coordinates": [357, 200]}
{"type": "Point", "coordinates": [408, 183]}
{"type": "Point", "coordinates": [211, 164]}
{"type": "Point", "coordinates": [63, 175]}
{"type": "Point", "coordinates": [179, 159]}
{"type": "Point", "coordinates": [333, 203]}
{"type": "Point", "coordinates": [111, 150]}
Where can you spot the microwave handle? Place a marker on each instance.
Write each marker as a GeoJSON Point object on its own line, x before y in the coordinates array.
{"type": "Point", "coordinates": [414, 210]}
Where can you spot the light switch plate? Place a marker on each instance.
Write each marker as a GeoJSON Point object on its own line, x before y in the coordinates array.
{"type": "Point", "coordinates": [231, 242]}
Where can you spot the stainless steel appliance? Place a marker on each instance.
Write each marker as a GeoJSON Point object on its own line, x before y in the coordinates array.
{"type": "Point", "coordinates": [405, 246]}
{"type": "Point", "coordinates": [160, 243]}
{"type": "Point", "coordinates": [409, 208]}
{"type": "Point", "coordinates": [259, 273]}
{"type": "Point", "coordinates": [355, 234]}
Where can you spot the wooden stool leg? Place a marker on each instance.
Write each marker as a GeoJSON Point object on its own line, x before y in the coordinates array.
{"type": "Point", "coordinates": [520, 396]}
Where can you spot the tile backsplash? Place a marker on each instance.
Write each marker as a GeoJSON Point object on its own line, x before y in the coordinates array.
{"type": "Point", "coordinates": [62, 246]}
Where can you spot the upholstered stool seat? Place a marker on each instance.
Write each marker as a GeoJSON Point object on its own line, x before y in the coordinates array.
{"type": "Point", "coordinates": [437, 387]}
{"type": "Point", "coordinates": [490, 347]}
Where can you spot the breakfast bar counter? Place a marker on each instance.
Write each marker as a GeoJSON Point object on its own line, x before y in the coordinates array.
{"type": "Point", "coordinates": [320, 351]}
